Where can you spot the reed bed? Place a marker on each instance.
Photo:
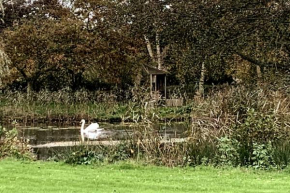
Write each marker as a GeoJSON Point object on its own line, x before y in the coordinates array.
{"type": "Point", "coordinates": [233, 125]}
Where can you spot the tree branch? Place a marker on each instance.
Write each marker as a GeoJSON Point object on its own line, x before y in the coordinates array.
{"type": "Point", "coordinates": [257, 62]}
{"type": "Point", "coordinates": [149, 48]}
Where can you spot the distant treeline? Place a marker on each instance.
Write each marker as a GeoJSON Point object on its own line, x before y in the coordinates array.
{"type": "Point", "coordinates": [101, 44]}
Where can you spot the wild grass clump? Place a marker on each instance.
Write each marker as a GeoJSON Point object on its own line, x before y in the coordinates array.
{"type": "Point", "coordinates": [233, 126]}
{"type": "Point", "coordinates": [249, 127]}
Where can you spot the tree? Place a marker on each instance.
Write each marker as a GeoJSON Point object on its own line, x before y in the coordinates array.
{"type": "Point", "coordinates": [4, 65]}
{"type": "Point", "coordinates": [15, 10]}
{"type": "Point", "coordinates": [123, 56]}
{"type": "Point", "coordinates": [215, 32]}
{"type": "Point", "coordinates": [149, 20]}
{"type": "Point", "coordinates": [71, 54]}
{"type": "Point", "coordinates": [108, 41]}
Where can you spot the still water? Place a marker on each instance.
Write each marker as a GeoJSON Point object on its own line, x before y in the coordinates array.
{"type": "Point", "coordinates": [42, 134]}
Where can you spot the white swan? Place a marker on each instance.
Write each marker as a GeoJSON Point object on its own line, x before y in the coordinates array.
{"type": "Point", "coordinates": [93, 131]}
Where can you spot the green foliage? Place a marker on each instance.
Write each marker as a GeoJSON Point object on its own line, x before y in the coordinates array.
{"type": "Point", "coordinates": [254, 135]}
{"type": "Point", "coordinates": [102, 106]}
{"type": "Point", "coordinates": [227, 152]}
{"type": "Point", "coordinates": [84, 157]}
{"type": "Point", "coordinates": [244, 120]}
{"type": "Point", "coordinates": [258, 127]}
{"type": "Point", "coordinates": [10, 146]}
{"type": "Point", "coordinates": [121, 152]}
{"type": "Point", "coordinates": [199, 153]}
{"type": "Point", "coordinates": [91, 155]}
{"type": "Point", "coordinates": [230, 127]}
{"type": "Point", "coordinates": [262, 156]}
{"type": "Point", "coordinates": [123, 111]}
{"type": "Point", "coordinates": [250, 141]}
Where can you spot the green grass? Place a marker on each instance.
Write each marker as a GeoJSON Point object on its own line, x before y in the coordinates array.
{"type": "Point", "coordinates": [17, 176]}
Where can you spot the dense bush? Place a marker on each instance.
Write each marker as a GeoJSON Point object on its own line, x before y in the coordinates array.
{"type": "Point", "coordinates": [227, 152]}
{"type": "Point", "coordinates": [255, 135]}
{"type": "Point", "coordinates": [230, 127]}
{"type": "Point", "coordinates": [250, 140]}
{"type": "Point", "coordinates": [10, 146]}
{"type": "Point", "coordinates": [88, 155]}
{"type": "Point", "coordinates": [84, 157]}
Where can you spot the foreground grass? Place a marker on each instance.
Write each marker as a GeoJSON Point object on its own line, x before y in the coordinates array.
{"type": "Point", "coordinates": [16, 176]}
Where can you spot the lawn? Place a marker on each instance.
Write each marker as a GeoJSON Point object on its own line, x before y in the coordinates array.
{"type": "Point", "coordinates": [17, 176]}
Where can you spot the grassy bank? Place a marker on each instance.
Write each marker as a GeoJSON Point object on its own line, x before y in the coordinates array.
{"type": "Point", "coordinates": [16, 176]}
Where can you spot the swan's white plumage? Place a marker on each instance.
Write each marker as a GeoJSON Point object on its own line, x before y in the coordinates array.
{"type": "Point", "coordinates": [92, 127]}
{"type": "Point", "coordinates": [93, 131]}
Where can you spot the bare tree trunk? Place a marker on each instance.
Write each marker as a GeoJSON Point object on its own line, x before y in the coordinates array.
{"type": "Point", "coordinates": [158, 59]}
{"type": "Point", "coordinates": [201, 80]}
{"type": "Point", "coordinates": [2, 10]}
{"type": "Point", "coordinates": [29, 88]}
{"type": "Point", "coordinates": [138, 78]}
{"type": "Point", "coordinates": [4, 65]}
{"type": "Point", "coordinates": [158, 51]}
{"type": "Point", "coordinates": [259, 72]}
{"type": "Point", "coordinates": [149, 48]}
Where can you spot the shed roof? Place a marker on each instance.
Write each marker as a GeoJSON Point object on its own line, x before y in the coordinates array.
{"type": "Point", "coordinates": [152, 70]}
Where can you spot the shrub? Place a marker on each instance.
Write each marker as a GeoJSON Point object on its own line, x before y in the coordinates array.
{"type": "Point", "coordinates": [244, 120]}
{"type": "Point", "coordinates": [228, 152]}
{"type": "Point", "coordinates": [199, 152]}
{"type": "Point", "coordinates": [250, 141]}
{"type": "Point", "coordinates": [10, 146]}
{"type": "Point", "coordinates": [88, 155]}
{"type": "Point", "coordinates": [258, 127]}
{"type": "Point", "coordinates": [262, 156]}
{"type": "Point", "coordinates": [85, 157]}
{"type": "Point", "coordinates": [254, 134]}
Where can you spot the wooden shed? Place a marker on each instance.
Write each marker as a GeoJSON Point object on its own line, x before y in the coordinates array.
{"type": "Point", "coordinates": [157, 82]}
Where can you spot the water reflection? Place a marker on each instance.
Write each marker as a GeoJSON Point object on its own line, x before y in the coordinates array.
{"type": "Point", "coordinates": [42, 134]}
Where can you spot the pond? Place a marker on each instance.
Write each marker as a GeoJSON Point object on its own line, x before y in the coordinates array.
{"type": "Point", "coordinates": [38, 135]}
{"type": "Point", "coordinates": [42, 134]}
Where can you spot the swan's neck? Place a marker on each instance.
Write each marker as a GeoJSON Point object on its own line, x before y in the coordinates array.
{"type": "Point", "coordinates": [82, 131]}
